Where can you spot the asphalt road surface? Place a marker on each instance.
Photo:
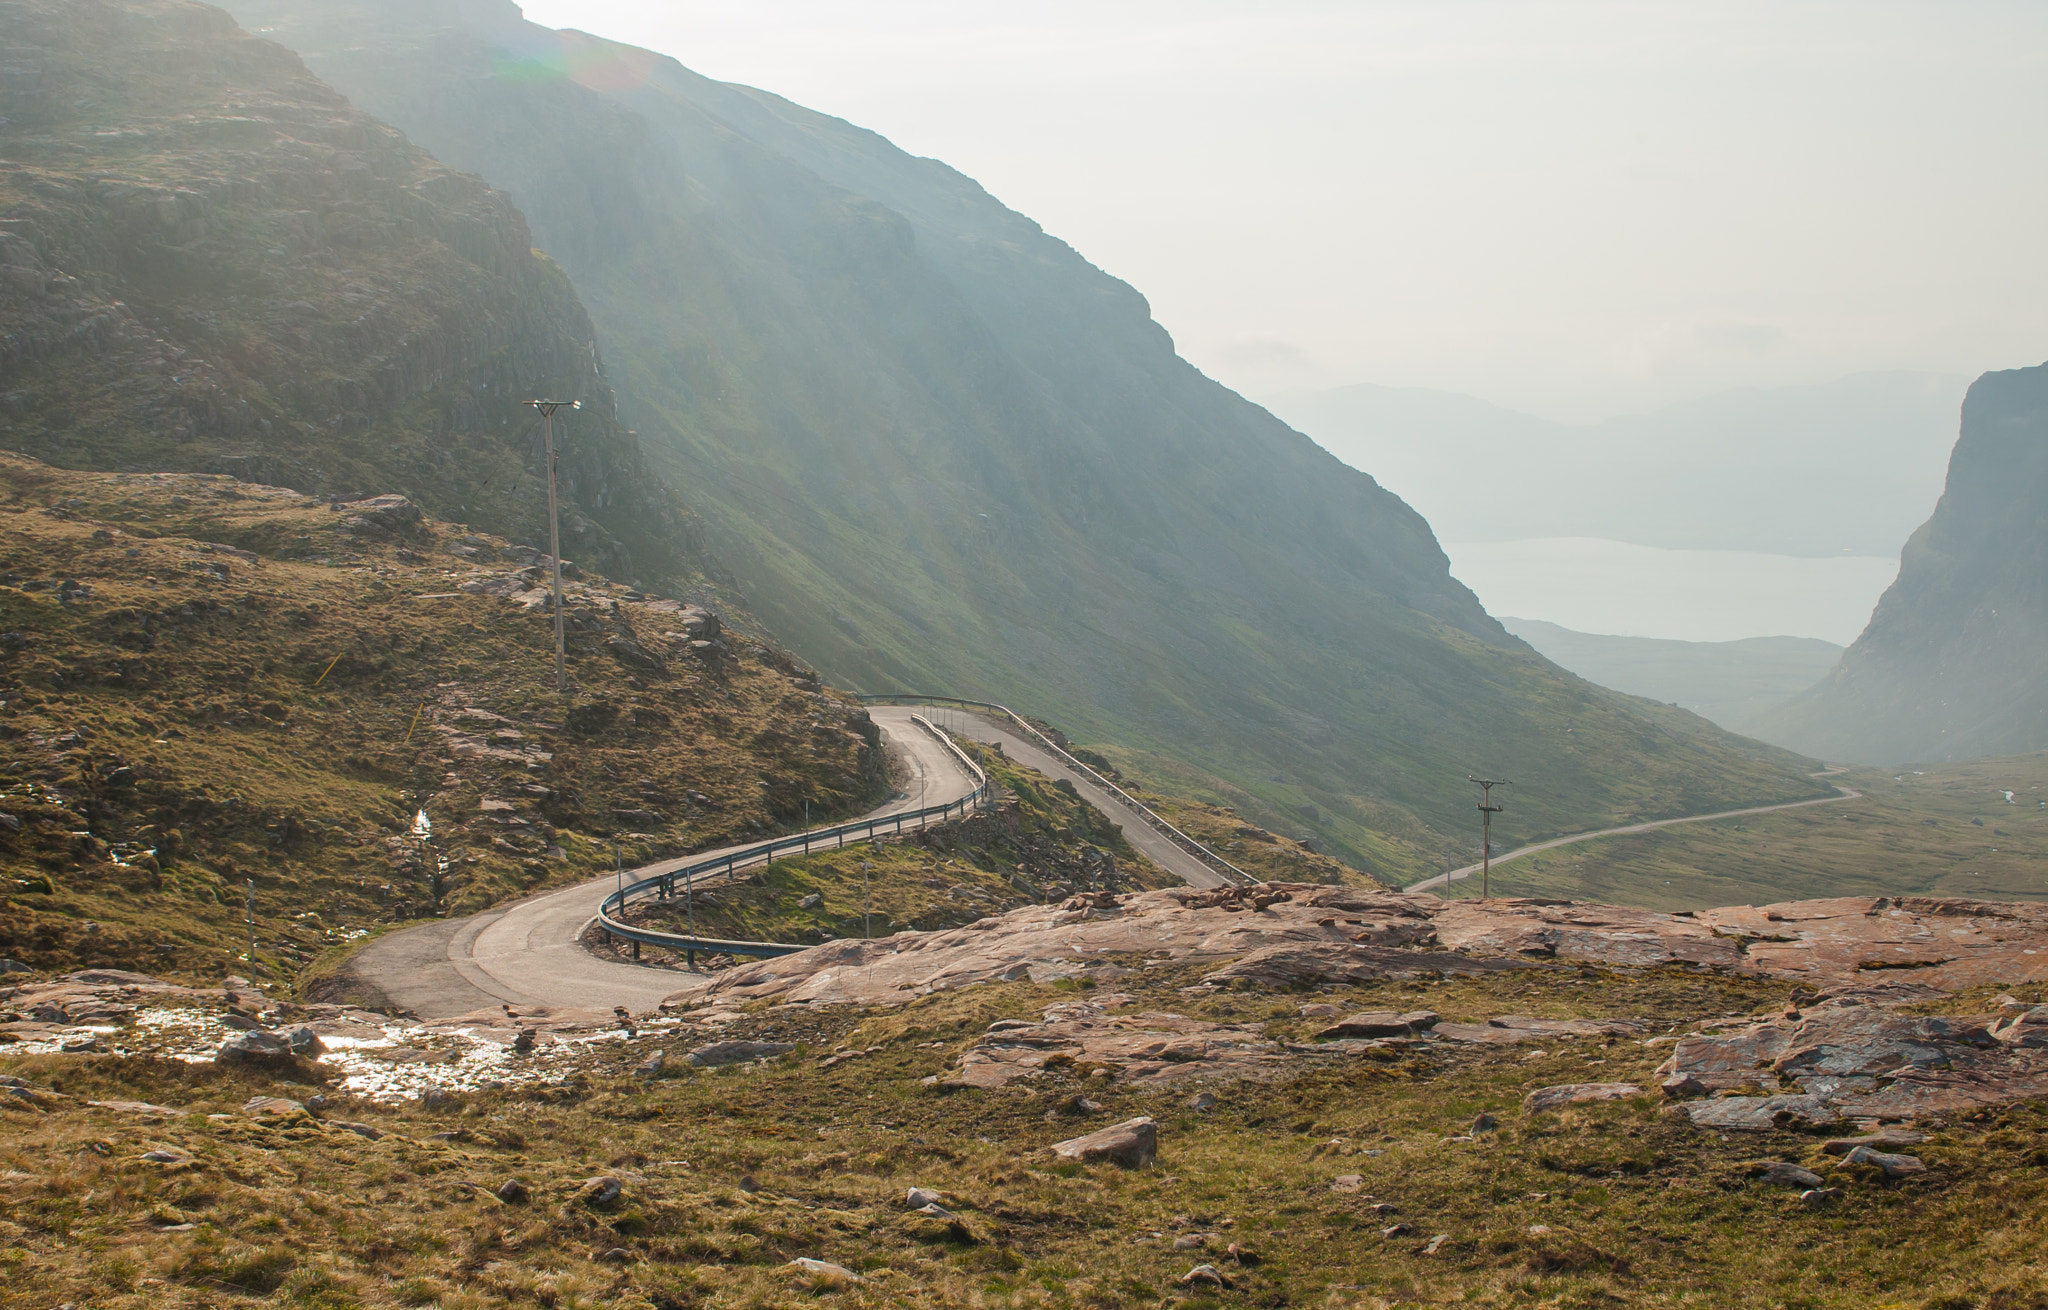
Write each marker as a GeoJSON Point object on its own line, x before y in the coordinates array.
{"type": "Point", "coordinates": [1026, 751]}
{"type": "Point", "coordinates": [1472, 870]}
{"type": "Point", "coordinates": [530, 953]}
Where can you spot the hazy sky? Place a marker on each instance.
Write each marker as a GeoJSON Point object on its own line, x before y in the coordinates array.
{"type": "Point", "coordinates": [1570, 207]}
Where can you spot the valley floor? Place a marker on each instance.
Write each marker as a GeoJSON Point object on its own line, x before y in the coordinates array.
{"type": "Point", "coordinates": [1977, 829]}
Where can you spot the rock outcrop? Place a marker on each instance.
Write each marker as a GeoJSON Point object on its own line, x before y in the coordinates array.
{"type": "Point", "coordinates": [1950, 667]}
{"type": "Point", "coordinates": [1904, 947]}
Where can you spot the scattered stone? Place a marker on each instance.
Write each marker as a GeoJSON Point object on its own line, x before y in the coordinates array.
{"type": "Point", "coordinates": [1883, 1141]}
{"type": "Point", "coordinates": [259, 1048]}
{"type": "Point", "coordinates": [1403, 1229]}
{"type": "Point", "coordinates": [1894, 1166]}
{"type": "Point", "coordinates": [1519, 1029]}
{"type": "Point", "coordinates": [133, 1107]}
{"type": "Point", "coordinates": [1384, 1207]}
{"type": "Point", "coordinates": [1072, 1104]}
{"type": "Point", "coordinates": [1320, 1011]}
{"type": "Point", "coordinates": [1683, 1087]}
{"type": "Point", "coordinates": [512, 1191]}
{"type": "Point", "coordinates": [85, 1045]}
{"type": "Point", "coordinates": [749, 1184]}
{"type": "Point", "coordinates": [1755, 1114]}
{"type": "Point", "coordinates": [1436, 1243]}
{"type": "Point", "coordinates": [1132, 1144]}
{"type": "Point", "coordinates": [273, 1107]}
{"type": "Point", "coordinates": [934, 1210]}
{"type": "Point", "coordinates": [1241, 1255]}
{"type": "Point", "coordinates": [651, 1066]}
{"type": "Point", "coordinates": [1202, 1102]}
{"type": "Point", "coordinates": [737, 1052]}
{"type": "Point", "coordinates": [364, 1131]}
{"type": "Point", "coordinates": [1787, 1175]}
{"type": "Point", "coordinates": [1485, 1123]}
{"type": "Point", "coordinates": [317, 1103]}
{"type": "Point", "coordinates": [523, 1043]}
{"type": "Point", "coordinates": [1819, 1196]}
{"type": "Point", "coordinates": [1381, 1023]}
{"type": "Point", "coordinates": [1204, 1275]}
{"type": "Point", "coordinates": [618, 1255]}
{"type": "Point", "coordinates": [1346, 1183]}
{"type": "Point", "coordinates": [1545, 1099]}
{"type": "Point", "coordinates": [14, 966]}
{"type": "Point", "coordinates": [823, 1269]}
{"type": "Point", "coordinates": [921, 1197]}
{"type": "Point", "coordinates": [305, 1043]}
{"type": "Point", "coordinates": [439, 1098]}
{"type": "Point", "coordinates": [599, 1192]}
{"type": "Point", "coordinates": [1190, 1241]}
{"type": "Point", "coordinates": [1537, 1230]}
{"type": "Point", "coordinates": [811, 902]}
{"type": "Point", "coordinates": [164, 1156]}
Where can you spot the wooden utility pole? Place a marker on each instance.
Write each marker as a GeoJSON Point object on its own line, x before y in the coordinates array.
{"type": "Point", "coordinates": [547, 410]}
{"type": "Point", "coordinates": [1487, 809]}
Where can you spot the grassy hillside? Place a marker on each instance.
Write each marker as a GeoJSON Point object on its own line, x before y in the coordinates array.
{"type": "Point", "coordinates": [205, 684]}
{"type": "Point", "coordinates": [1950, 667]}
{"type": "Point", "coordinates": [1737, 684]}
{"type": "Point", "coordinates": [1331, 1178]}
{"type": "Point", "coordinates": [1945, 830]}
{"type": "Point", "coordinates": [941, 451]}
{"type": "Point", "coordinates": [210, 261]}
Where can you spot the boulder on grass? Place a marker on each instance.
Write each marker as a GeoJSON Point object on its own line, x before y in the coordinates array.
{"type": "Point", "coordinates": [1134, 1143]}
{"type": "Point", "coordinates": [1556, 1098]}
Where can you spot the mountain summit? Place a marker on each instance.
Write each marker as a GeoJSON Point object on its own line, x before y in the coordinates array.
{"type": "Point", "coordinates": [1950, 666]}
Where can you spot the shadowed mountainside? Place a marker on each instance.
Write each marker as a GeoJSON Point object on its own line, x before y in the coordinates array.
{"type": "Point", "coordinates": [1950, 667]}
{"type": "Point", "coordinates": [942, 451]}
{"type": "Point", "coordinates": [210, 261]}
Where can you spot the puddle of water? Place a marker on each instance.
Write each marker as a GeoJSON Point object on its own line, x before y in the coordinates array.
{"type": "Point", "coordinates": [402, 1062]}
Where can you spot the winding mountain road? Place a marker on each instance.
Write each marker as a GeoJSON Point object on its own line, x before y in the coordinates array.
{"type": "Point", "coordinates": [1018, 747]}
{"type": "Point", "coordinates": [1456, 875]}
{"type": "Point", "coordinates": [530, 953]}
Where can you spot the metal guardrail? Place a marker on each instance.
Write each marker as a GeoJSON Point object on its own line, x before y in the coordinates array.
{"type": "Point", "coordinates": [663, 885]}
{"type": "Point", "coordinates": [1144, 811]}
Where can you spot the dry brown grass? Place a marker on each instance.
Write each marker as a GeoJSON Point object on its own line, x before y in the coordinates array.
{"type": "Point", "coordinates": [1641, 1209]}
{"type": "Point", "coordinates": [198, 719]}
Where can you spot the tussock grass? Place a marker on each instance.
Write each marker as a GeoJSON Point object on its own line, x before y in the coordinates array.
{"type": "Point", "coordinates": [730, 1174]}
{"type": "Point", "coordinates": [246, 692]}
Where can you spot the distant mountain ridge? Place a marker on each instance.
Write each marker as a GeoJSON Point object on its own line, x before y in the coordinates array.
{"type": "Point", "coordinates": [939, 450]}
{"type": "Point", "coordinates": [1951, 666]}
{"type": "Point", "coordinates": [1843, 467]}
{"type": "Point", "coordinates": [1740, 685]}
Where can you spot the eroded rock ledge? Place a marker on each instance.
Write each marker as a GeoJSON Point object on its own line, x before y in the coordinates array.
{"type": "Point", "coordinates": [1282, 934]}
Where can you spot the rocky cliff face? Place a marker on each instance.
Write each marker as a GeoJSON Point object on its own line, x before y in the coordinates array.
{"type": "Point", "coordinates": [944, 452]}
{"type": "Point", "coordinates": [210, 261]}
{"type": "Point", "coordinates": [1952, 665]}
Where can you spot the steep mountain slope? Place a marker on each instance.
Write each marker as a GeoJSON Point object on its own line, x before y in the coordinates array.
{"type": "Point", "coordinates": [209, 261]}
{"type": "Point", "coordinates": [942, 451]}
{"type": "Point", "coordinates": [1738, 684]}
{"type": "Point", "coordinates": [1848, 466]}
{"type": "Point", "coordinates": [1951, 665]}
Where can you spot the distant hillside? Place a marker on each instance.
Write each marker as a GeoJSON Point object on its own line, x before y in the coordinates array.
{"type": "Point", "coordinates": [210, 262]}
{"type": "Point", "coordinates": [940, 450]}
{"type": "Point", "coordinates": [1737, 684]}
{"type": "Point", "coordinates": [1845, 467]}
{"type": "Point", "coordinates": [1951, 666]}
